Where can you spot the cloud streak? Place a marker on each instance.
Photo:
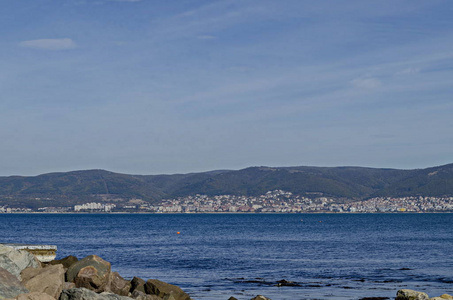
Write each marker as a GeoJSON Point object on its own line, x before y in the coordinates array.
{"type": "Point", "coordinates": [49, 44]}
{"type": "Point", "coordinates": [366, 83]}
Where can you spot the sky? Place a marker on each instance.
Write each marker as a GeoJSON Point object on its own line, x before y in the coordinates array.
{"type": "Point", "coordinates": [163, 87]}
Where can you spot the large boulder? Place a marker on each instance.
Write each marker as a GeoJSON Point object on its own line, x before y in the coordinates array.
{"type": "Point", "coordinates": [137, 295]}
{"type": "Point", "coordinates": [68, 285]}
{"type": "Point", "coordinates": [34, 296]}
{"type": "Point", "coordinates": [137, 284]}
{"type": "Point", "coordinates": [163, 289]}
{"type": "Point", "coordinates": [48, 280]}
{"type": "Point", "coordinates": [259, 297]}
{"type": "Point", "coordinates": [65, 261]}
{"type": "Point", "coordinates": [92, 273]}
{"type": "Point", "coordinates": [14, 261]}
{"type": "Point", "coordinates": [85, 294]}
{"type": "Point", "coordinates": [10, 286]}
{"type": "Point", "coordinates": [406, 294]}
{"type": "Point", "coordinates": [119, 285]}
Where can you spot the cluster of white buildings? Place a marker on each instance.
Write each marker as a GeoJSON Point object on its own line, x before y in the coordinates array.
{"type": "Point", "coordinates": [285, 202]}
{"type": "Point", "coordinates": [4, 209]}
{"type": "Point", "coordinates": [8, 210]}
{"type": "Point", "coordinates": [277, 201]}
{"type": "Point", "coordinates": [272, 201]}
{"type": "Point", "coordinates": [403, 204]}
{"type": "Point", "coordinates": [93, 206]}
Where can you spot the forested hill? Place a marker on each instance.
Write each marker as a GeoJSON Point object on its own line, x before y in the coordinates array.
{"type": "Point", "coordinates": [339, 182]}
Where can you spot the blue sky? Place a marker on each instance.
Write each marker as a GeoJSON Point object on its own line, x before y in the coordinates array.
{"type": "Point", "coordinates": [151, 87]}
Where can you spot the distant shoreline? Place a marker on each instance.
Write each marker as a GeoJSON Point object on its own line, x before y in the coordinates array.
{"type": "Point", "coordinates": [227, 213]}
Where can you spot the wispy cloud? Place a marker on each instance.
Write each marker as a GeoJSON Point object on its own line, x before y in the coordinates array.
{"type": "Point", "coordinates": [408, 71]}
{"type": "Point", "coordinates": [216, 15]}
{"type": "Point", "coordinates": [50, 44]}
{"type": "Point", "coordinates": [366, 83]}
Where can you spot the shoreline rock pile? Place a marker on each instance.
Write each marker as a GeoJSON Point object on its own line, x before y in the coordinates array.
{"type": "Point", "coordinates": [24, 277]}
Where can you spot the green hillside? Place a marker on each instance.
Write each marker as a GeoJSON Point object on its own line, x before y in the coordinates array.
{"type": "Point", "coordinates": [349, 183]}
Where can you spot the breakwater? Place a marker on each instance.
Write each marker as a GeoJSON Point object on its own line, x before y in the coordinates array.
{"type": "Point", "coordinates": [44, 253]}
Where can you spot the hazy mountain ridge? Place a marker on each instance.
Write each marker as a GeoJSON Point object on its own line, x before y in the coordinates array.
{"type": "Point", "coordinates": [339, 182]}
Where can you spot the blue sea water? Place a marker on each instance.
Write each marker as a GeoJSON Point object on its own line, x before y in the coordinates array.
{"type": "Point", "coordinates": [215, 256]}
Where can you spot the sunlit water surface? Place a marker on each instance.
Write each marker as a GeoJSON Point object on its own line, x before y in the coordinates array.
{"type": "Point", "coordinates": [215, 256]}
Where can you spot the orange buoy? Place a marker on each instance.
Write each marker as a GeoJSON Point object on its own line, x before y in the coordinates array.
{"type": "Point", "coordinates": [178, 232]}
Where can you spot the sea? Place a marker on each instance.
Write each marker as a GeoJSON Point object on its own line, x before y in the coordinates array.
{"type": "Point", "coordinates": [215, 256]}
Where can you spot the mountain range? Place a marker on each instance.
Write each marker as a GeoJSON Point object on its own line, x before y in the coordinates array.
{"type": "Point", "coordinates": [347, 183]}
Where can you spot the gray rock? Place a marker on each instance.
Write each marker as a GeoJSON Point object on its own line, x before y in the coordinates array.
{"type": "Point", "coordinates": [14, 261]}
{"type": "Point", "coordinates": [406, 294]}
{"type": "Point", "coordinates": [34, 296]}
{"type": "Point", "coordinates": [92, 273]}
{"type": "Point", "coordinates": [65, 261]}
{"type": "Point", "coordinates": [86, 294]}
{"type": "Point", "coordinates": [48, 280]}
{"type": "Point", "coordinates": [162, 289]}
{"type": "Point", "coordinates": [442, 297]}
{"type": "Point", "coordinates": [68, 285]}
{"type": "Point", "coordinates": [284, 282]}
{"type": "Point", "coordinates": [119, 285]}
{"type": "Point", "coordinates": [138, 295]}
{"type": "Point", "coordinates": [259, 297]}
{"type": "Point", "coordinates": [10, 286]}
{"type": "Point", "coordinates": [111, 296]}
{"type": "Point", "coordinates": [137, 284]}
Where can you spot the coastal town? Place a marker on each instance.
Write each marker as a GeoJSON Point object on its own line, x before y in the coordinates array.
{"type": "Point", "coordinates": [276, 201]}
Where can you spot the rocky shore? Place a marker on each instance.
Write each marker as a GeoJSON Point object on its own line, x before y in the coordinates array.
{"type": "Point", "coordinates": [24, 277]}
